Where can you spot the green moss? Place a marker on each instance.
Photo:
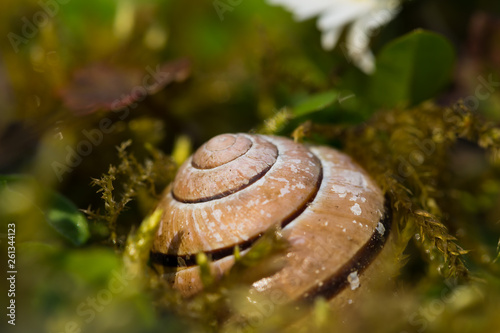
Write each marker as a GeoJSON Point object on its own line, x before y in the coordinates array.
{"type": "Point", "coordinates": [132, 178]}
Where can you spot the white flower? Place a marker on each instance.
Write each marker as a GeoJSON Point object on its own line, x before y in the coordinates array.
{"type": "Point", "coordinates": [364, 16]}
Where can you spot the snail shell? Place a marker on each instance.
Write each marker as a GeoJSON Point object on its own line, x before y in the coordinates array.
{"type": "Point", "coordinates": [236, 186]}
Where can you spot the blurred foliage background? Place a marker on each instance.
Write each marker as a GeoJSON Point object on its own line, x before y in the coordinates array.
{"type": "Point", "coordinates": [159, 77]}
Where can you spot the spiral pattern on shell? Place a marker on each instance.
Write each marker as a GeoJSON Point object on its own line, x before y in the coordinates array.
{"type": "Point", "coordinates": [236, 186]}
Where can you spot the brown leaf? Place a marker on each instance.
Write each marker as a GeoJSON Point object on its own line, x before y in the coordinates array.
{"type": "Point", "coordinates": [106, 87]}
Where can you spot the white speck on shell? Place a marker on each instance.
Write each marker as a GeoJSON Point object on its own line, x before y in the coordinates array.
{"type": "Point", "coordinates": [283, 180]}
{"type": "Point", "coordinates": [339, 189]}
{"type": "Point", "coordinates": [353, 280]}
{"type": "Point", "coordinates": [355, 183]}
{"type": "Point", "coordinates": [298, 241]}
{"type": "Point", "coordinates": [356, 209]}
{"type": "Point", "coordinates": [217, 214]}
{"type": "Point", "coordinates": [284, 191]}
{"type": "Point", "coordinates": [252, 203]}
{"type": "Point", "coordinates": [355, 178]}
{"type": "Point", "coordinates": [381, 229]}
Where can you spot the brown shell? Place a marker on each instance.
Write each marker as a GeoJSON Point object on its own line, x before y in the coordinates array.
{"type": "Point", "coordinates": [236, 186]}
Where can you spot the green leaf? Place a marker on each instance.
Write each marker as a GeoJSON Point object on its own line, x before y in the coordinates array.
{"type": "Point", "coordinates": [411, 69]}
{"type": "Point", "coordinates": [315, 102]}
{"type": "Point", "coordinates": [20, 194]}
{"type": "Point", "coordinates": [65, 217]}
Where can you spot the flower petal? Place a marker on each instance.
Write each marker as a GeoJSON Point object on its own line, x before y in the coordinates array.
{"type": "Point", "coordinates": [357, 42]}
{"type": "Point", "coordinates": [381, 17]}
{"type": "Point", "coordinates": [342, 13]}
{"type": "Point", "coordinates": [366, 15]}
{"type": "Point", "coordinates": [330, 38]}
{"type": "Point", "coordinates": [304, 10]}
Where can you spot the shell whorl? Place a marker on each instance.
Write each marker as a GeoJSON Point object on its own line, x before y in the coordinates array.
{"type": "Point", "coordinates": [236, 186]}
{"type": "Point", "coordinates": [222, 166]}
